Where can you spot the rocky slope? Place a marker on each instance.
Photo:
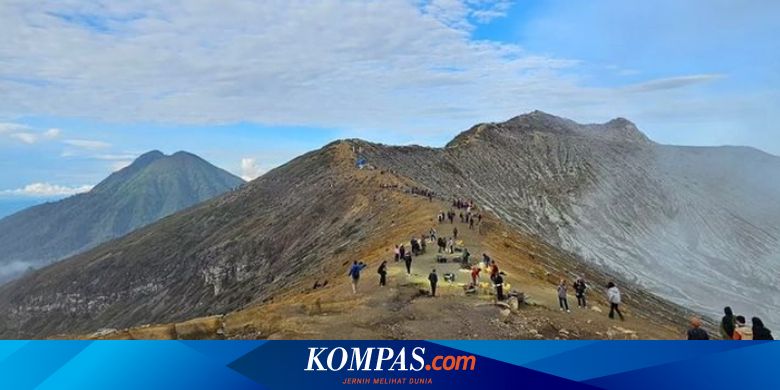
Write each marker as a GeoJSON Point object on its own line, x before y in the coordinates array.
{"type": "Point", "coordinates": [152, 187]}
{"type": "Point", "coordinates": [255, 254]}
{"type": "Point", "coordinates": [697, 225]}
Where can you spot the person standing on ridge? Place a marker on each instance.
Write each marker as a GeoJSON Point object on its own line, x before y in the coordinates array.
{"type": "Point", "coordinates": [434, 279]}
{"type": "Point", "coordinates": [742, 331]}
{"type": "Point", "coordinates": [354, 273]}
{"type": "Point", "coordinates": [563, 299]}
{"type": "Point", "coordinates": [408, 262]}
{"type": "Point", "coordinates": [696, 332]}
{"type": "Point", "coordinates": [579, 291]}
{"type": "Point", "coordinates": [613, 296]}
{"type": "Point", "coordinates": [485, 260]}
{"type": "Point", "coordinates": [382, 271]}
{"type": "Point", "coordinates": [455, 233]}
{"type": "Point", "coordinates": [760, 332]}
{"type": "Point", "coordinates": [397, 253]}
{"type": "Point", "coordinates": [465, 259]}
{"type": "Point", "coordinates": [499, 283]}
{"type": "Point", "coordinates": [727, 324]}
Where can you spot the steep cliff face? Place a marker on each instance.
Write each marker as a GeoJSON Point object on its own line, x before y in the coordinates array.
{"type": "Point", "coordinates": [695, 225]}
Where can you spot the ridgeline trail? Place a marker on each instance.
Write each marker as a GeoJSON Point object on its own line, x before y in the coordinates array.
{"type": "Point", "coordinates": [403, 309]}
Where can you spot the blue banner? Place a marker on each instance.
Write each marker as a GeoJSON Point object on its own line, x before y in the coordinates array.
{"type": "Point", "coordinates": [339, 364]}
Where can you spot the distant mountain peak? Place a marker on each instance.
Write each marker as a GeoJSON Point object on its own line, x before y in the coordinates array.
{"type": "Point", "coordinates": [151, 187]}
{"type": "Point", "coordinates": [616, 130]}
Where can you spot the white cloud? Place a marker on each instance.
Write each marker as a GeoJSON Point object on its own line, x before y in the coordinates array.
{"type": "Point", "coordinates": [26, 134]}
{"type": "Point", "coordinates": [250, 170]}
{"type": "Point", "coordinates": [12, 127]}
{"type": "Point", "coordinates": [673, 82]}
{"type": "Point", "coordinates": [28, 138]}
{"type": "Point", "coordinates": [46, 190]}
{"type": "Point", "coordinates": [354, 65]}
{"type": "Point", "coordinates": [87, 144]}
{"type": "Point", "coordinates": [52, 133]}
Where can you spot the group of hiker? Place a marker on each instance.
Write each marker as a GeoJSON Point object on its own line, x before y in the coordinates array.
{"type": "Point", "coordinates": [489, 265]}
{"type": "Point", "coordinates": [422, 192]}
{"type": "Point", "coordinates": [732, 328]}
{"type": "Point", "coordinates": [735, 327]}
{"type": "Point", "coordinates": [580, 289]}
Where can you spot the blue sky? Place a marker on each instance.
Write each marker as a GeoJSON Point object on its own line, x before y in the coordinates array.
{"type": "Point", "coordinates": [85, 86]}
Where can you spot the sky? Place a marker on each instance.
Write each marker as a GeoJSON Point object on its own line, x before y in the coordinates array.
{"type": "Point", "coordinates": [86, 86]}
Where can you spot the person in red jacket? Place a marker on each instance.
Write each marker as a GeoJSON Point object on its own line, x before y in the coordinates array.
{"type": "Point", "coordinates": [494, 272]}
{"type": "Point", "coordinates": [475, 275]}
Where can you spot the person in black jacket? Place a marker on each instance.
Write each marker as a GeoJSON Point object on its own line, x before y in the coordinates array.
{"type": "Point", "coordinates": [382, 271]}
{"type": "Point", "coordinates": [498, 281]}
{"type": "Point", "coordinates": [579, 291]}
{"type": "Point", "coordinates": [434, 279]}
{"type": "Point", "coordinates": [696, 332]}
{"type": "Point", "coordinates": [760, 332]}
{"type": "Point", "coordinates": [727, 324]}
{"type": "Point", "coordinates": [408, 263]}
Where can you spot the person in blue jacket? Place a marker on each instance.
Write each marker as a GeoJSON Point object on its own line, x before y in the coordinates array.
{"type": "Point", "coordinates": [354, 273]}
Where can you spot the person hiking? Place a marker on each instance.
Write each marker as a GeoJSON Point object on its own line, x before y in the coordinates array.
{"type": "Point", "coordinates": [433, 235]}
{"type": "Point", "coordinates": [499, 283]}
{"type": "Point", "coordinates": [742, 331]}
{"type": "Point", "coordinates": [485, 260]}
{"type": "Point", "coordinates": [475, 275]}
{"type": "Point", "coordinates": [613, 296]}
{"type": "Point", "coordinates": [695, 332]}
{"type": "Point", "coordinates": [415, 246]}
{"type": "Point", "coordinates": [494, 272]}
{"type": "Point", "coordinates": [354, 273]}
{"type": "Point", "coordinates": [451, 246]}
{"type": "Point", "coordinates": [434, 279]}
{"type": "Point", "coordinates": [423, 244]}
{"type": "Point", "coordinates": [471, 223]}
{"type": "Point", "coordinates": [397, 253]}
{"type": "Point", "coordinates": [402, 252]}
{"type": "Point", "coordinates": [760, 332]}
{"type": "Point", "coordinates": [579, 291]}
{"type": "Point", "coordinates": [563, 300]}
{"type": "Point", "coordinates": [466, 256]}
{"type": "Point", "coordinates": [455, 233]}
{"type": "Point", "coordinates": [408, 262]}
{"type": "Point", "coordinates": [382, 271]}
{"type": "Point", "coordinates": [727, 324]}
